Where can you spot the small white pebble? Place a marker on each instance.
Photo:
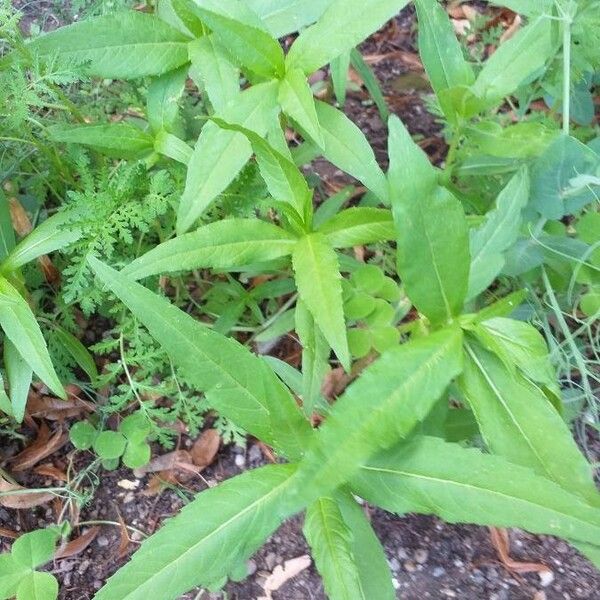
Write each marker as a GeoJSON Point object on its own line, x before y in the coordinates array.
{"type": "Point", "coordinates": [546, 578]}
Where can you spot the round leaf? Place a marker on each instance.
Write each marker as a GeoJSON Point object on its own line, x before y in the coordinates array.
{"type": "Point", "coordinates": [82, 435]}
{"type": "Point", "coordinates": [110, 445]}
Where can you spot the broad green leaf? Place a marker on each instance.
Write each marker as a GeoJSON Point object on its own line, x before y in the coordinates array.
{"type": "Point", "coordinates": [163, 97]}
{"type": "Point", "coordinates": [370, 82]}
{"type": "Point", "coordinates": [319, 284]}
{"type": "Point", "coordinates": [211, 536]}
{"type": "Point", "coordinates": [38, 586]}
{"type": "Point", "coordinates": [433, 252]}
{"type": "Point", "coordinates": [118, 140]}
{"type": "Point", "coordinates": [35, 548]}
{"type": "Point", "coordinates": [11, 574]}
{"type": "Point", "coordinates": [517, 422]}
{"type": "Point", "coordinates": [439, 48]}
{"type": "Point", "coordinates": [125, 45]}
{"type": "Point", "coordinates": [359, 226]}
{"type": "Point", "coordinates": [371, 562]}
{"type": "Point", "coordinates": [346, 146]}
{"type": "Point", "coordinates": [330, 541]}
{"type": "Point", "coordinates": [220, 245]}
{"type": "Point", "coordinates": [250, 45]}
{"type": "Point", "coordinates": [498, 232]}
{"type": "Point", "coordinates": [19, 375]}
{"type": "Point", "coordinates": [381, 407]}
{"type": "Point", "coordinates": [236, 382]}
{"type": "Point", "coordinates": [516, 59]}
{"type": "Point", "coordinates": [171, 146]}
{"type": "Point", "coordinates": [212, 71]}
{"type": "Point", "coordinates": [339, 76]}
{"type": "Point", "coordinates": [342, 26]}
{"type": "Point", "coordinates": [21, 328]}
{"type": "Point", "coordinates": [503, 307]}
{"type": "Point", "coordinates": [297, 102]}
{"type": "Point", "coordinates": [315, 357]}
{"type": "Point", "coordinates": [282, 17]}
{"type": "Point", "coordinates": [53, 234]}
{"type": "Point", "coordinates": [284, 180]}
{"type": "Point", "coordinates": [430, 476]}
{"type": "Point", "coordinates": [219, 154]}
{"type": "Point", "coordinates": [7, 233]}
{"type": "Point", "coordinates": [78, 352]}
{"type": "Point", "coordinates": [185, 14]}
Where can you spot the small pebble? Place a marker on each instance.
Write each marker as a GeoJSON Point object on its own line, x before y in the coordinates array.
{"type": "Point", "coordinates": [240, 460]}
{"type": "Point", "coordinates": [546, 578]}
{"type": "Point", "coordinates": [439, 571]}
{"type": "Point", "coordinates": [448, 593]}
{"type": "Point", "coordinates": [410, 566]}
{"type": "Point", "coordinates": [395, 583]}
{"type": "Point", "coordinates": [394, 564]}
{"type": "Point", "coordinates": [421, 556]}
{"type": "Point", "coordinates": [539, 595]}
{"type": "Point", "coordinates": [102, 541]}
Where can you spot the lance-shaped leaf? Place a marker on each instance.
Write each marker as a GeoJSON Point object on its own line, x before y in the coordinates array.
{"type": "Point", "coordinates": [297, 102]}
{"type": "Point", "coordinates": [223, 244]}
{"type": "Point", "coordinates": [163, 97]}
{"type": "Point", "coordinates": [220, 154]}
{"type": "Point", "coordinates": [183, 14]}
{"type": "Point", "coordinates": [237, 383]}
{"type": "Point", "coordinates": [330, 540]}
{"type": "Point", "coordinates": [315, 357]}
{"type": "Point", "coordinates": [358, 226]}
{"type": "Point", "coordinates": [383, 406]}
{"type": "Point", "coordinates": [284, 180]}
{"type": "Point", "coordinates": [369, 79]}
{"type": "Point", "coordinates": [19, 375]}
{"type": "Point", "coordinates": [21, 328]}
{"type": "Point", "coordinates": [430, 476]}
{"type": "Point", "coordinates": [498, 233]}
{"type": "Point", "coordinates": [118, 140]}
{"type": "Point", "coordinates": [319, 284]}
{"type": "Point", "coordinates": [346, 146]}
{"type": "Point", "coordinates": [517, 422]}
{"type": "Point", "coordinates": [338, 70]}
{"type": "Point", "coordinates": [516, 59]}
{"type": "Point", "coordinates": [126, 45]}
{"type": "Point", "coordinates": [245, 38]}
{"type": "Point", "coordinates": [54, 233]}
{"type": "Point", "coordinates": [211, 536]}
{"type": "Point", "coordinates": [282, 17]}
{"type": "Point", "coordinates": [7, 233]}
{"type": "Point", "coordinates": [173, 147]}
{"type": "Point", "coordinates": [343, 25]}
{"type": "Point", "coordinates": [212, 71]}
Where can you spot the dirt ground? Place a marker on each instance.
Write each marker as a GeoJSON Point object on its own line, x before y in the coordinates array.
{"type": "Point", "coordinates": [428, 558]}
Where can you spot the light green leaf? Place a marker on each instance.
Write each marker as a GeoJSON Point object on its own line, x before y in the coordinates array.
{"type": "Point", "coordinates": [185, 15]}
{"type": "Point", "coordinates": [330, 541]}
{"type": "Point", "coordinates": [282, 17]}
{"type": "Point", "coordinates": [53, 234]}
{"type": "Point", "coordinates": [19, 375]}
{"type": "Point", "coordinates": [219, 154]}
{"type": "Point", "coordinates": [517, 422]}
{"type": "Point", "coordinates": [430, 476]}
{"type": "Point", "coordinates": [124, 45]}
{"type": "Point", "coordinates": [11, 574]}
{"type": "Point", "coordinates": [7, 233]}
{"type": "Point", "coordinates": [382, 406]}
{"type": "Point", "coordinates": [319, 284]}
{"type": "Point", "coordinates": [516, 59]}
{"type": "Point", "coordinates": [211, 536]}
{"type": "Point", "coordinates": [498, 232]}
{"type": "Point", "coordinates": [297, 102]}
{"type": "Point", "coordinates": [315, 357]}
{"type": "Point", "coordinates": [21, 328]}
{"type": "Point", "coordinates": [249, 44]}
{"type": "Point", "coordinates": [348, 149]}
{"type": "Point", "coordinates": [236, 382]}
{"type": "Point", "coordinates": [171, 146]}
{"type": "Point", "coordinates": [78, 352]}
{"type": "Point", "coordinates": [358, 226]}
{"type": "Point", "coordinates": [35, 548]}
{"type": "Point", "coordinates": [370, 82]}
{"type": "Point", "coordinates": [163, 97]}
{"type": "Point", "coordinates": [342, 26]}
{"type": "Point", "coordinates": [223, 244]}
{"type": "Point", "coordinates": [338, 70]}
{"type": "Point", "coordinates": [118, 140]}
{"type": "Point", "coordinates": [212, 71]}
{"type": "Point", "coordinates": [284, 180]}
{"type": "Point", "coordinates": [38, 586]}
{"type": "Point", "coordinates": [433, 252]}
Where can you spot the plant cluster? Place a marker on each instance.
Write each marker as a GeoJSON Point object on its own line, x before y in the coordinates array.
{"type": "Point", "coordinates": [455, 408]}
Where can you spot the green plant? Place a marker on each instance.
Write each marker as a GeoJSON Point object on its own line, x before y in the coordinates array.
{"type": "Point", "coordinates": [18, 574]}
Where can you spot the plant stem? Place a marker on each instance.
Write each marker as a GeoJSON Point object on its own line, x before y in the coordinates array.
{"type": "Point", "coordinates": [566, 109]}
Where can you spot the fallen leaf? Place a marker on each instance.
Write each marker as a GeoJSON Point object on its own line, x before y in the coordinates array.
{"type": "Point", "coordinates": [79, 544]}
{"type": "Point", "coordinates": [49, 470]}
{"type": "Point", "coordinates": [172, 461]}
{"type": "Point", "coordinates": [55, 409]}
{"type": "Point", "coordinates": [45, 443]}
{"type": "Point", "coordinates": [9, 533]}
{"type": "Point", "coordinates": [500, 541]}
{"type": "Point", "coordinates": [158, 482]}
{"type": "Point", "coordinates": [282, 574]}
{"type": "Point", "coordinates": [205, 448]}
{"type": "Point", "coordinates": [124, 543]}
{"type": "Point", "coordinates": [22, 499]}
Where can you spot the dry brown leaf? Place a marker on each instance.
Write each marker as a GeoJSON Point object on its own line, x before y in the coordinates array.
{"type": "Point", "coordinates": [18, 215]}
{"type": "Point", "coordinates": [157, 483]}
{"type": "Point", "coordinates": [21, 500]}
{"type": "Point", "coordinates": [501, 543]}
{"type": "Point", "coordinates": [172, 461]}
{"type": "Point", "coordinates": [124, 543]}
{"type": "Point", "coordinates": [79, 544]}
{"type": "Point", "coordinates": [512, 29]}
{"type": "Point", "coordinates": [44, 444]}
{"type": "Point", "coordinates": [282, 574]}
{"type": "Point", "coordinates": [55, 409]}
{"type": "Point", "coordinates": [9, 533]}
{"type": "Point", "coordinates": [49, 470]}
{"type": "Point", "coordinates": [205, 448]}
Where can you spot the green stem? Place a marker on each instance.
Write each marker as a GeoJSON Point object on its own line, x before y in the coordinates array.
{"type": "Point", "coordinates": [566, 112]}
